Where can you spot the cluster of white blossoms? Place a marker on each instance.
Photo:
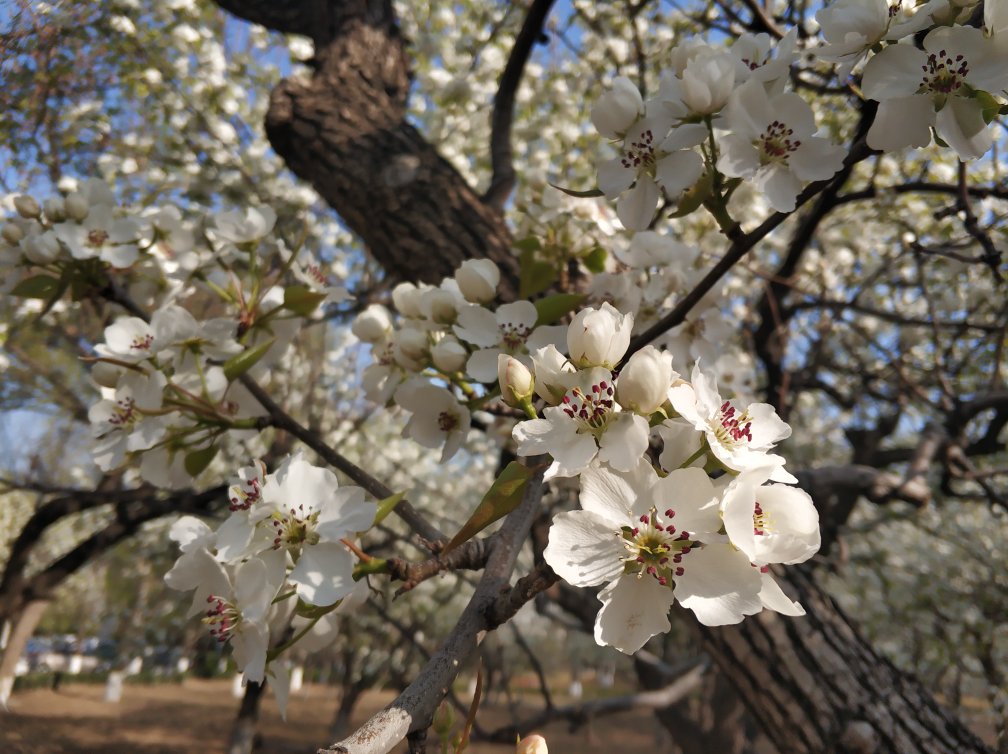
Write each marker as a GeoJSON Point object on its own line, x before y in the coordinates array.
{"type": "Point", "coordinates": [446, 340]}
{"type": "Point", "coordinates": [702, 526]}
{"type": "Point", "coordinates": [278, 568]}
{"type": "Point", "coordinates": [168, 385]}
{"type": "Point", "coordinates": [721, 110]}
{"type": "Point", "coordinates": [726, 111]}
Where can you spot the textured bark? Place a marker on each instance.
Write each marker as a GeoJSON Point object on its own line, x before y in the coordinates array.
{"type": "Point", "coordinates": [817, 687]}
{"type": "Point", "coordinates": [345, 132]}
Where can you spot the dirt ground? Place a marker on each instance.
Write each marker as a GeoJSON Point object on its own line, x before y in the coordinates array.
{"type": "Point", "coordinates": [196, 716]}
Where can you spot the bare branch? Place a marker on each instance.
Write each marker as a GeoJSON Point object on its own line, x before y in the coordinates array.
{"type": "Point", "coordinates": [503, 110]}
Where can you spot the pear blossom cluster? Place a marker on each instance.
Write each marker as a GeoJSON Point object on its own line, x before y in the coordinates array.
{"type": "Point", "coordinates": [280, 558]}
{"type": "Point", "coordinates": [720, 112]}
{"type": "Point", "coordinates": [699, 522]}
{"type": "Point", "coordinates": [447, 340]}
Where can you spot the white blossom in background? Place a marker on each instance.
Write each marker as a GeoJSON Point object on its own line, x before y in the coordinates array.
{"type": "Point", "coordinates": [438, 420]}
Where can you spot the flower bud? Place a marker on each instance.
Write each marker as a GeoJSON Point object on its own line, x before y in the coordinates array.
{"type": "Point", "coordinates": [478, 279]}
{"type": "Point", "coordinates": [406, 299]}
{"type": "Point", "coordinates": [534, 744]}
{"type": "Point", "coordinates": [515, 379]}
{"type": "Point", "coordinates": [76, 205]}
{"type": "Point", "coordinates": [449, 355]}
{"type": "Point", "coordinates": [439, 306]}
{"type": "Point", "coordinates": [55, 209]}
{"type": "Point", "coordinates": [372, 324]}
{"type": "Point", "coordinates": [599, 337]}
{"type": "Point", "coordinates": [12, 233]}
{"type": "Point", "coordinates": [645, 380]}
{"type": "Point", "coordinates": [41, 248]}
{"type": "Point", "coordinates": [412, 342]}
{"type": "Point", "coordinates": [27, 207]}
{"type": "Point", "coordinates": [616, 110]}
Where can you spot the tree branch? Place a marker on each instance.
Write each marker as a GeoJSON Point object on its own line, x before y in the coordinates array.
{"type": "Point", "coordinates": [503, 179]}
{"type": "Point", "coordinates": [415, 706]}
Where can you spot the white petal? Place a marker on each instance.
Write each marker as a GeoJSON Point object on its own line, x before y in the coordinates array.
{"type": "Point", "coordinates": [678, 172]}
{"type": "Point", "coordinates": [624, 441]}
{"type": "Point", "coordinates": [691, 495]}
{"type": "Point", "coordinates": [636, 207]}
{"type": "Point", "coordinates": [608, 495]}
{"type": "Point", "coordinates": [614, 178]}
{"type": "Point", "coordinates": [960, 123]}
{"type": "Point", "coordinates": [719, 585]}
{"type": "Point", "coordinates": [482, 365]}
{"type": "Point", "coordinates": [633, 610]}
{"type": "Point", "coordinates": [773, 598]}
{"type": "Point", "coordinates": [248, 646]}
{"type": "Point", "coordinates": [894, 72]}
{"type": "Point", "coordinates": [584, 549]}
{"type": "Point", "coordinates": [902, 122]}
{"type": "Point", "coordinates": [323, 574]}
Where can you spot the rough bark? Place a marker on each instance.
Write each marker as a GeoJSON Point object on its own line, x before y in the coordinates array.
{"type": "Point", "coordinates": [816, 686]}
{"type": "Point", "coordinates": [345, 132]}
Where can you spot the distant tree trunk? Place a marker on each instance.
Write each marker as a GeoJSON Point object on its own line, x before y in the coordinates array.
{"type": "Point", "coordinates": [243, 732]}
{"type": "Point", "coordinates": [350, 695]}
{"type": "Point", "coordinates": [817, 687]}
{"type": "Point", "coordinates": [23, 626]}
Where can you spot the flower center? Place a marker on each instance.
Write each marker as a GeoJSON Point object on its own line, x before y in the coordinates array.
{"type": "Point", "coordinates": [447, 421]}
{"type": "Point", "coordinates": [654, 548]}
{"type": "Point", "coordinates": [317, 275]}
{"type": "Point", "coordinates": [97, 237]}
{"type": "Point", "coordinates": [731, 428]}
{"type": "Point", "coordinates": [513, 335]}
{"type": "Point", "coordinates": [142, 342]}
{"type": "Point", "coordinates": [592, 409]}
{"type": "Point", "coordinates": [124, 414]}
{"type": "Point", "coordinates": [295, 528]}
{"type": "Point", "coordinates": [944, 74]}
{"type": "Point", "coordinates": [775, 144]}
{"type": "Point", "coordinates": [895, 9]}
{"type": "Point", "coordinates": [760, 521]}
{"type": "Point", "coordinates": [222, 617]}
{"type": "Point", "coordinates": [245, 495]}
{"type": "Point", "coordinates": [640, 154]}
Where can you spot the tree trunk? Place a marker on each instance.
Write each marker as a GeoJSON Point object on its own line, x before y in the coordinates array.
{"type": "Point", "coordinates": [243, 732]}
{"type": "Point", "coordinates": [345, 132]}
{"type": "Point", "coordinates": [349, 697]}
{"type": "Point", "coordinates": [817, 687]}
{"type": "Point", "coordinates": [23, 627]}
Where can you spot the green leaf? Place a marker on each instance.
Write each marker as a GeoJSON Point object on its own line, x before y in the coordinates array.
{"type": "Point", "coordinates": [552, 308]}
{"type": "Point", "coordinates": [528, 244]}
{"type": "Point", "coordinates": [39, 286]}
{"type": "Point", "coordinates": [197, 460]}
{"type": "Point", "coordinates": [503, 497]}
{"type": "Point", "coordinates": [535, 276]}
{"type": "Point", "coordinates": [302, 300]}
{"type": "Point", "coordinates": [386, 506]}
{"type": "Point", "coordinates": [595, 259]}
{"type": "Point", "coordinates": [579, 194]}
{"type": "Point", "coordinates": [240, 363]}
{"type": "Point", "coordinates": [991, 107]}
